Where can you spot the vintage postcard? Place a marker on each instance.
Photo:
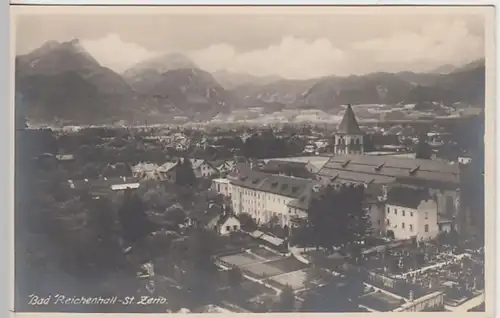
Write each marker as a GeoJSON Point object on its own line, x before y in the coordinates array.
{"type": "Point", "coordinates": [254, 159]}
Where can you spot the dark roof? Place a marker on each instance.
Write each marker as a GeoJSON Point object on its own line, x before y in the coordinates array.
{"type": "Point", "coordinates": [286, 186]}
{"type": "Point", "coordinates": [220, 219]}
{"type": "Point", "coordinates": [407, 197]}
{"type": "Point", "coordinates": [349, 124]}
{"type": "Point", "coordinates": [296, 169]}
{"type": "Point", "coordinates": [216, 163]}
{"type": "Point", "coordinates": [387, 169]}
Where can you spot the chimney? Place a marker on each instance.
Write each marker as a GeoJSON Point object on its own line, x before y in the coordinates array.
{"type": "Point", "coordinates": [410, 297]}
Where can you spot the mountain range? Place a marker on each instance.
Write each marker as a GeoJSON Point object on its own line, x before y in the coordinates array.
{"type": "Point", "coordinates": [61, 81]}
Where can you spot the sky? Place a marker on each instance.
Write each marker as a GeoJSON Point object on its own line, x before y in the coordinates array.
{"type": "Point", "coordinates": [295, 45]}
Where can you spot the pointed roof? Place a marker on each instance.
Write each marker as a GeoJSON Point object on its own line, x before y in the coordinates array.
{"type": "Point", "coordinates": [349, 124]}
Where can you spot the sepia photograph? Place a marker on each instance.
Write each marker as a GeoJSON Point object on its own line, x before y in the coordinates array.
{"type": "Point", "coordinates": [253, 159]}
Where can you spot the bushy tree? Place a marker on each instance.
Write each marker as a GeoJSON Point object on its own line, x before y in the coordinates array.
{"type": "Point", "coordinates": [337, 218]}
{"type": "Point", "coordinates": [423, 149]}
{"type": "Point", "coordinates": [133, 219]}
{"type": "Point", "coordinates": [286, 300]}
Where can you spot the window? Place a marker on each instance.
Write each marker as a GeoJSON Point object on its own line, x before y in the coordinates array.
{"type": "Point", "coordinates": [388, 222]}
{"type": "Point", "coordinates": [426, 215]}
{"type": "Point", "coordinates": [228, 228]}
{"type": "Point", "coordinates": [403, 225]}
{"type": "Point", "coordinates": [411, 228]}
{"type": "Point", "coordinates": [235, 227]}
{"type": "Point", "coordinates": [426, 228]}
{"type": "Point", "coordinates": [395, 212]}
{"type": "Point", "coordinates": [388, 210]}
{"type": "Point", "coordinates": [403, 212]}
{"type": "Point", "coordinates": [411, 213]}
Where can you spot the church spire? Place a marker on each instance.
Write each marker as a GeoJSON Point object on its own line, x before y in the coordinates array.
{"type": "Point", "coordinates": [349, 124]}
{"type": "Point", "coordinates": [349, 138]}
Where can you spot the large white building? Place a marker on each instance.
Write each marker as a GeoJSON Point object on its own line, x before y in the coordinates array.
{"type": "Point", "coordinates": [406, 197]}
{"type": "Point", "coordinates": [265, 196]}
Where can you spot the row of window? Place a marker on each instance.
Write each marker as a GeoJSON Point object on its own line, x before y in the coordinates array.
{"type": "Point", "coordinates": [410, 226]}
{"type": "Point", "coordinates": [396, 212]}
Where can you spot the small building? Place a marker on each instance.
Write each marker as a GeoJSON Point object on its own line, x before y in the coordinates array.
{"type": "Point", "coordinates": [202, 168]}
{"type": "Point", "coordinates": [225, 224]}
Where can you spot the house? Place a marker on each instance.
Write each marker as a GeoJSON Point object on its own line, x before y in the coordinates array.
{"type": "Point", "coordinates": [222, 166]}
{"type": "Point", "coordinates": [225, 224]}
{"type": "Point", "coordinates": [411, 213]}
{"type": "Point", "coordinates": [202, 168]}
{"type": "Point", "coordinates": [167, 170]}
{"type": "Point", "coordinates": [147, 171]}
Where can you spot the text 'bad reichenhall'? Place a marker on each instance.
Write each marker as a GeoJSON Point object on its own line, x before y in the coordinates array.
{"type": "Point", "coordinates": [59, 299]}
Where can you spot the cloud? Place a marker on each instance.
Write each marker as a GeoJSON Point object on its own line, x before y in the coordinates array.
{"type": "Point", "coordinates": [433, 46]}
{"type": "Point", "coordinates": [116, 54]}
{"type": "Point", "coordinates": [436, 43]}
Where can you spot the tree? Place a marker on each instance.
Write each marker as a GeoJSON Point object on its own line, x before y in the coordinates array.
{"type": "Point", "coordinates": [423, 149]}
{"type": "Point", "coordinates": [133, 219]}
{"type": "Point", "coordinates": [286, 300]}
{"type": "Point", "coordinates": [184, 175]}
{"type": "Point", "coordinates": [336, 217]}
{"type": "Point", "coordinates": [247, 222]}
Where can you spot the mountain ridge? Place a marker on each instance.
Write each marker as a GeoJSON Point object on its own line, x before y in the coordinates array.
{"type": "Point", "coordinates": [62, 80]}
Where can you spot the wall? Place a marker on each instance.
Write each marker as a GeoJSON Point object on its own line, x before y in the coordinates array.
{"type": "Point", "coordinates": [346, 144]}
{"type": "Point", "coordinates": [232, 222]}
{"type": "Point", "coordinates": [262, 206]}
{"type": "Point", "coordinates": [377, 218]}
{"type": "Point", "coordinates": [427, 212]}
{"type": "Point", "coordinates": [403, 221]}
{"type": "Point", "coordinates": [431, 301]}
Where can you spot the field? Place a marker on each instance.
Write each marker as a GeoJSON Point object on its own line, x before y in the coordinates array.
{"type": "Point", "coordinates": [275, 270]}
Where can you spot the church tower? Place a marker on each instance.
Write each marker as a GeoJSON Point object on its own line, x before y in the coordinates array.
{"type": "Point", "coordinates": [348, 139]}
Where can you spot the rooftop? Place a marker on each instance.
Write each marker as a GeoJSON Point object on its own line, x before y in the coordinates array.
{"type": "Point", "coordinates": [384, 169]}
{"type": "Point", "coordinates": [286, 186]}
{"type": "Point", "coordinates": [407, 197]}
{"type": "Point", "coordinates": [349, 124]}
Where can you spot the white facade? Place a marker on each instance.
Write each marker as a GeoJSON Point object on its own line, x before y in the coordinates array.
{"type": "Point", "coordinates": [348, 144]}
{"type": "Point", "coordinates": [222, 186]}
{"type": "Point", "coordinates": [262, 206]}
{"type": "Point", "coordinates": [231, 224]}
{"type": "Point", "coordinates": [407, 223]}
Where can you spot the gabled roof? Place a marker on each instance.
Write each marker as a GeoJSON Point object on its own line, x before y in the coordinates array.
{"type": "Point", "coordinates": [387, 169]}
{"type": "Point", "coordinates": [260, 181]}
{"type": "Point", "coordinates": [407, 197]}
{"type": "Point", "coordinates": [349, 124]}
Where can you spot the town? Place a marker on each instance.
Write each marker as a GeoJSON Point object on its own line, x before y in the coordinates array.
{"type": "Point", "coordinates": [383, 216]}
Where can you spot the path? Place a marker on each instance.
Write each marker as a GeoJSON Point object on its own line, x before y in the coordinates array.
{"type": "Point", "coordinates": [467, 305]}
